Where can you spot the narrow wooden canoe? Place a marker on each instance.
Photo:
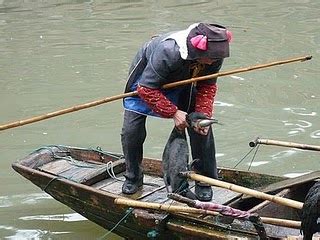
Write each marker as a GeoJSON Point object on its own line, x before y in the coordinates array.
{"type": "Point", "coordinates": [89, 180]}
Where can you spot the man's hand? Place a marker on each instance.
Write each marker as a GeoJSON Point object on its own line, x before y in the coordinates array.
{"type": "Point", "coordinates": [179, 119]}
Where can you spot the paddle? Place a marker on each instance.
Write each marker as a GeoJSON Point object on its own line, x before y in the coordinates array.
{"type": "Point", "coordinates": [240, 189]}
{"type": "Point", "coordinates": [181, 209]}
{"type": "Point", "coordinates": [284, 144]}
{"type": "Point", "coordinates": [130, 94]}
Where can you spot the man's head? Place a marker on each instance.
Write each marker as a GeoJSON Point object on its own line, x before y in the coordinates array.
{"type": "Point", "coordinates": [208, 42]}
{"type": "Point", "coordinates": [206, 60]}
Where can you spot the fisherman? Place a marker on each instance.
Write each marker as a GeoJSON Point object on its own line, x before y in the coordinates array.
{"type": "Point", "coordinates": [196, 51]}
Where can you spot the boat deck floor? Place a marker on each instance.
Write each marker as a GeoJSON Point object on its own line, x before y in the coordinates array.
{"type": "Point", "coordinates": [154, 190]}
{"type": "Point", "coordinates": [110, 177]}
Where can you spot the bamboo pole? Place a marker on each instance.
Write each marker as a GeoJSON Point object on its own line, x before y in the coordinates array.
{"type": "Point", "coordinates": [65, 111]}
{"type": "Point", "coordinates": [130, 94]}
{"type": "Point", "coordinates": [240, 189]}
{"type": "Point", "coordinates": [284, 144]}
{"type": "Point", "coordinates": [239, 70]}
{"type": "Point", "coordinates": [281, 222]}
{"type": "Point", "coordinates": [181, 209]}
{"type": "Point", "coordinates": [162, 207]}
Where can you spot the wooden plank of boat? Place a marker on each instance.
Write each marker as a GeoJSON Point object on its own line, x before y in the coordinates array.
{"type": "Point", "coordinates": [77, 178]}
{"type": "Point", "coordinates": [309, 177]}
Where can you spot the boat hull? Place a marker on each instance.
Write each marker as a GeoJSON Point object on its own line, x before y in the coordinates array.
{"type": "Point", "coordinates": [88, 181]}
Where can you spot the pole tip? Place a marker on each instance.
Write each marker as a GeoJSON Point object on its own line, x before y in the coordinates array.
{"type": "Point", "coordinates": [309, 57]}
{"type": "Point", "coordinates": [254, 142]}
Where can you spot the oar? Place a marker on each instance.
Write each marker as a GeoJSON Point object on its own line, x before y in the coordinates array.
{"type": "Point", "coordinates": [284, 144]}
{"type": "Point", "coordinates": [181, 209]}
{"type": "Point", "coordinates": [130, 94]}
{"type": "Point", "coordinates": [240, 189]}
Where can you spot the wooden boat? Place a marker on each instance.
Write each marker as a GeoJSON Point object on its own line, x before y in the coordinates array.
{"type": "Point", "coordinates": [89, 181]}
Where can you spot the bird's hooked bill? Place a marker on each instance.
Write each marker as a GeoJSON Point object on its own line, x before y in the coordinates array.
{"type": "Point", "coordinates": [206, 122]}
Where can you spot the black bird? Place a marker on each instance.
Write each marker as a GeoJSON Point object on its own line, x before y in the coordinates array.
{"type": "Point", "coordinates": [310, 217]}
{"type": "Point", "coordinates": [175, 157]}
{"type": "Point", "coordinates": [175, 160]}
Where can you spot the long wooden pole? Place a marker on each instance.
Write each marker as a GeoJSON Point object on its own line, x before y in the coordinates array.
{"type": "Point", "coordinates": [238, 70]}
{"type": "Point", "coordinates": [181, 209]}
{"type": "Point", "coordinates": [240, 189]}
{"type": "Point", "coordinates": [284, 144]}
{"type": "Point", "coordinates": [130, 94]}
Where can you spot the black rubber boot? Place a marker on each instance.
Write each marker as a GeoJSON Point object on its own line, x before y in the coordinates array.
{"type": "Point", "coordinates": [203, 192]}
{"type": "Point", "coordinates": [131, 187]}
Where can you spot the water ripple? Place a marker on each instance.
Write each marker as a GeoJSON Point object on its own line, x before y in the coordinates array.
{"type": "Point", "coordinates": [237, 78]}
{"type": "Point", "coordinates": [299, 127]}
{"type": "Point", "coordinates": [223, 104]}
{"type": "Point", "coordinates": [315, 134]}
{"type": "Point", "coordinates": [283, 154]}
{"type": "Point", "coordinates": [300, 111]}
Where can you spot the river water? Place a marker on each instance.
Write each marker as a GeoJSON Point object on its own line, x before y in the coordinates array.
{"type": "Point", "coordinates": [60, 53]}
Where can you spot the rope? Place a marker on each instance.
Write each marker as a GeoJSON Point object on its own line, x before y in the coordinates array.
{"type": "Point", "coordinates": [49, 183]}
{"type": "Point", "coordinates": [129, 211]}
{"type": "Point", "coordinates": [114, 155]}
{"type": "Point", "coordinates": [196, 68]}
{"type": "Point", "coordinates": [110, 171]}
{"type": "Point", "coordinates": [76, 163]}
{"type": "Point", "coordinates": [254, 155]}
{"type": "Point", "coordinates": [246, 155]}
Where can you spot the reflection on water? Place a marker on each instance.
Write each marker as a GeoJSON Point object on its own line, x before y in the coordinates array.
{"type": "Point", "coordinates": [257, 163]}
{"type": "Point", "coordinates": [36, 234]}
{"type": "Point", "coordinates": [237, 78]}
{"type": "Point", "coordinates": [28, 221]}
{"type": "Point", "coordinates": [283, 154]}
{"type": "Point", "coordinates": [26, 201]}
{"type": "Point", "coordinates": [57, 54]}
{"type": "Point", "coordinates": [223, 104]}
{"type": "Point", "coordinates": [72, 217]}
{"type": "Point", "coordinates": [292, 175]}
{"type": "Point", "coordinates": [23, 199]}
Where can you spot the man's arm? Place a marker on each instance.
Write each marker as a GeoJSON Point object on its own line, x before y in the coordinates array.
{"type": "Point", "coordinates": [163, 106]}
{"type": "Point", "coordinates": [159, 103]}
{"type": "Point", "coordinates": [205, 98]}
{"type": "Point", "coordinates": [206, 90]}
